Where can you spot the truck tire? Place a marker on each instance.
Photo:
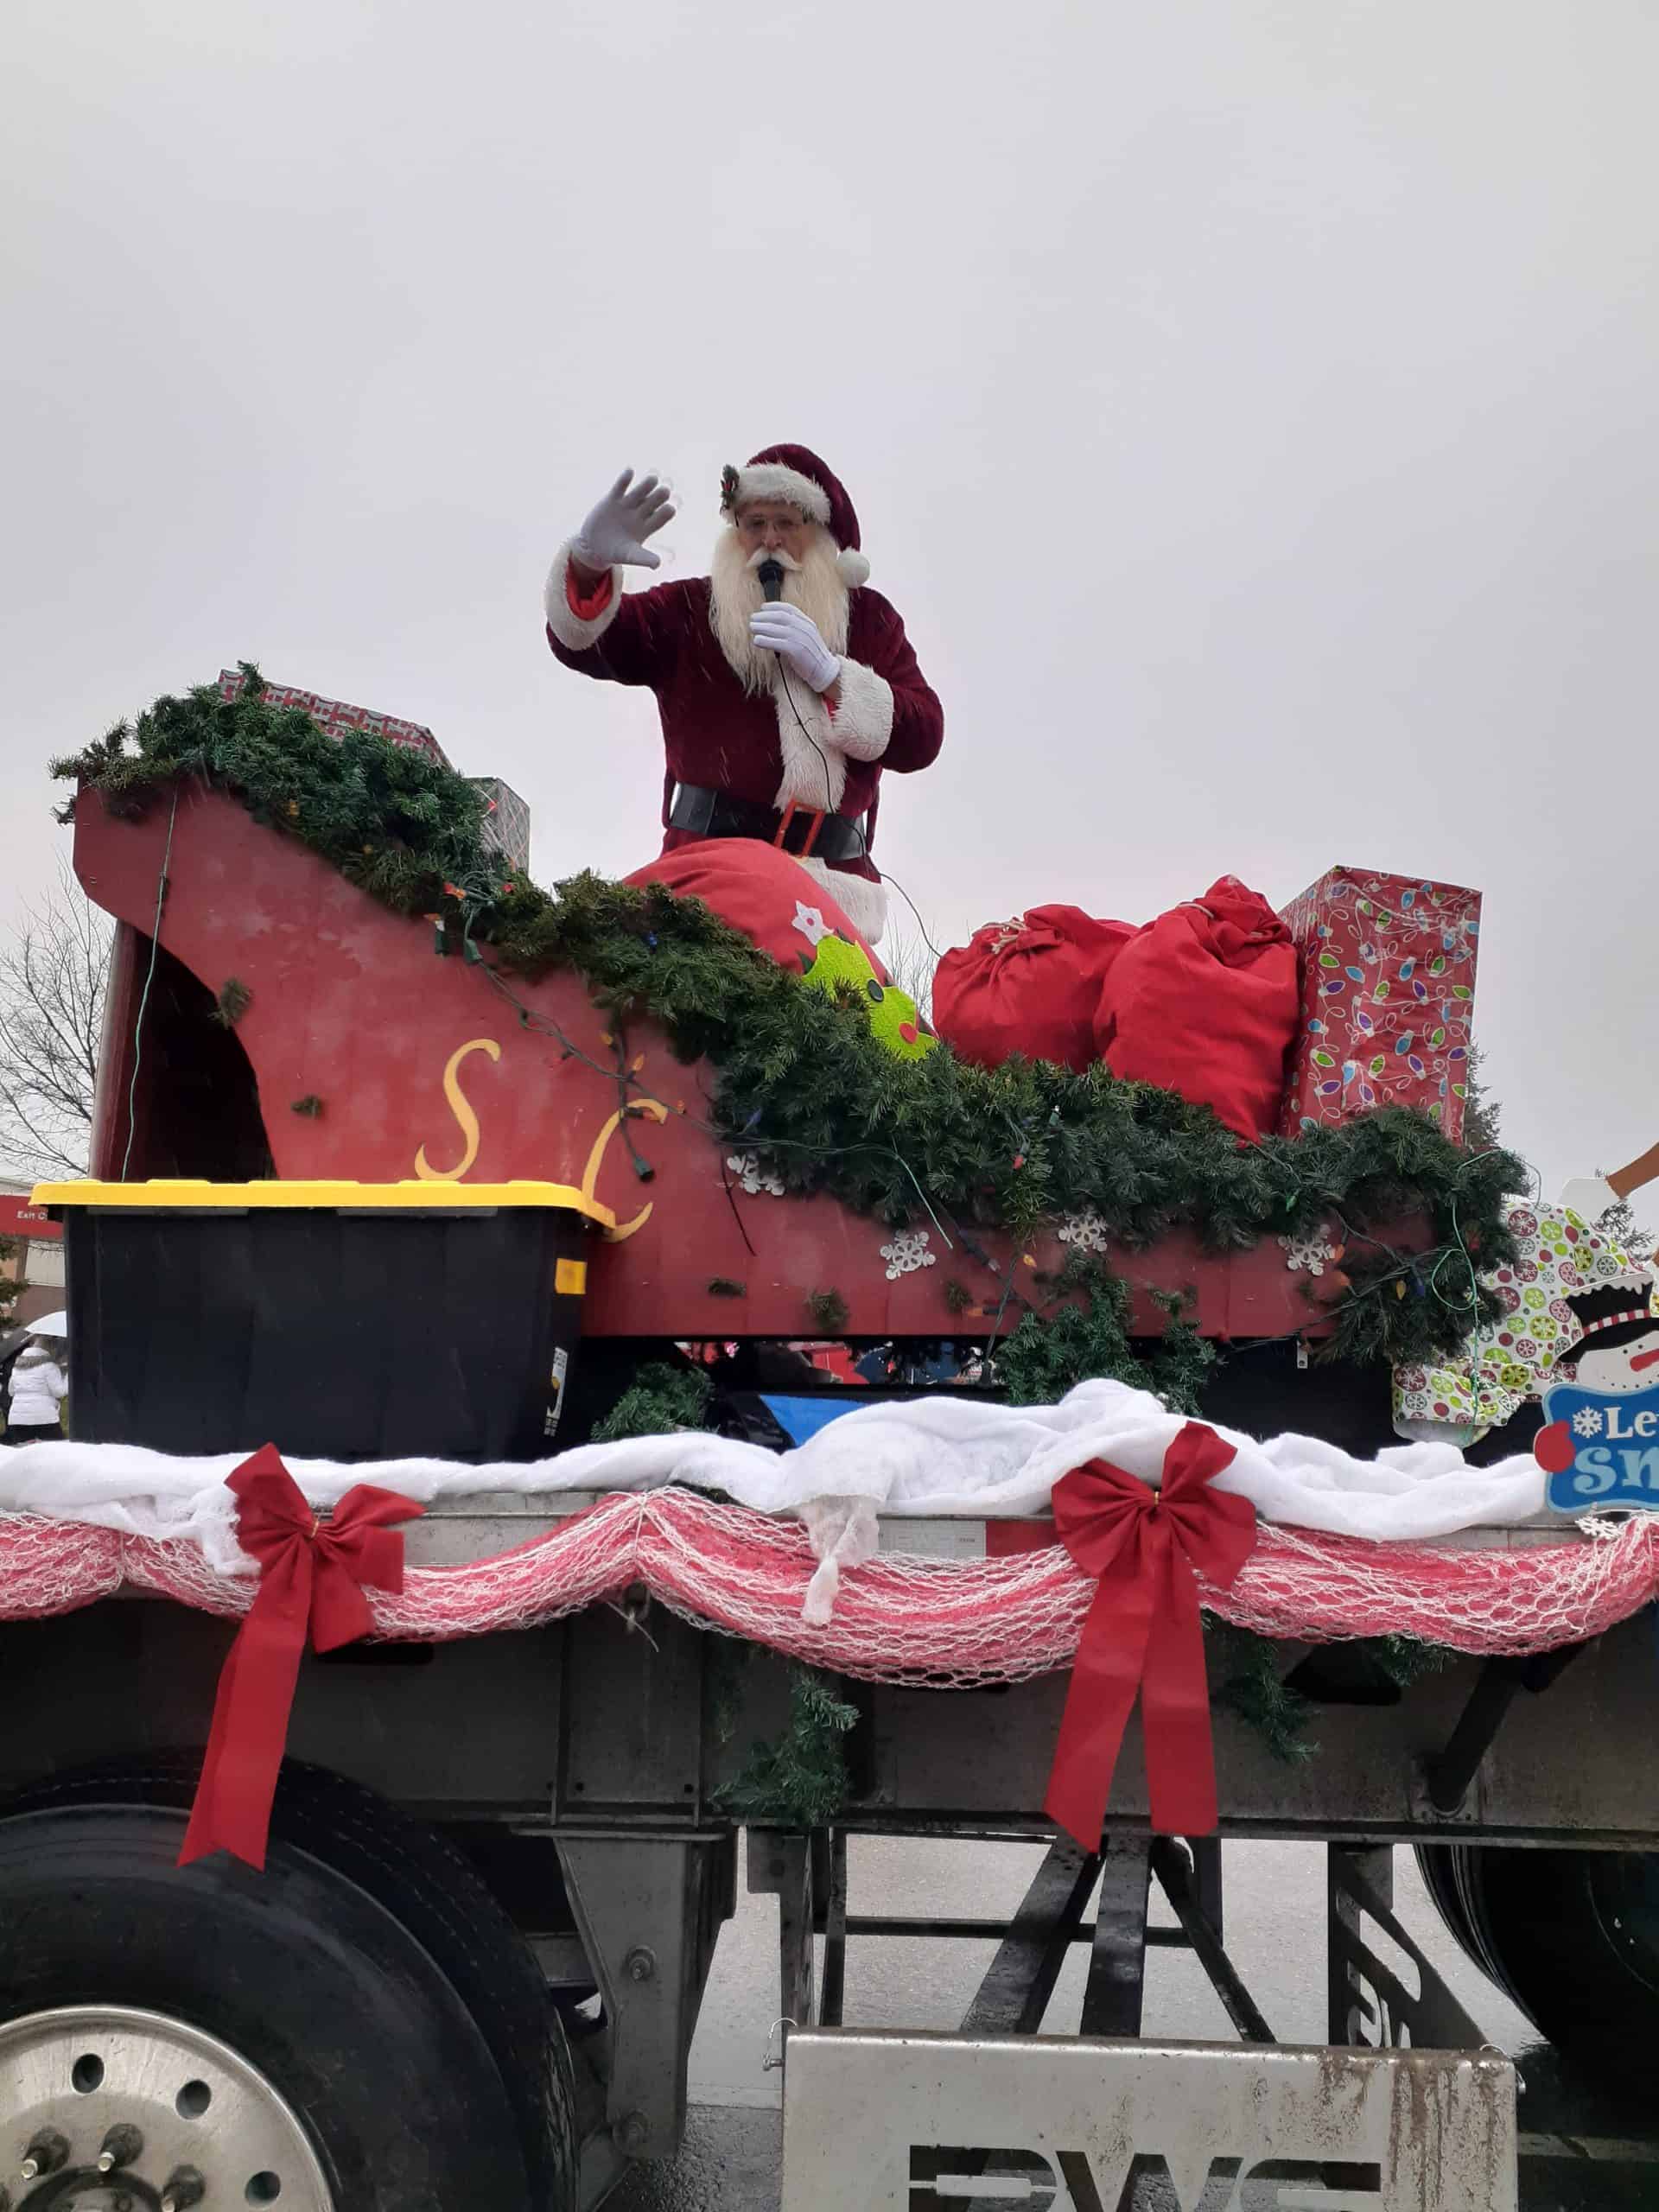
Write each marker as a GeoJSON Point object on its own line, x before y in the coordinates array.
{"type": "Point", "coordinates": [1574, 1938]}
{"type": "Point", "coordinates": [1446, 1879]}
{"type": "Point", "coordinates": [1571, 1938]}
{"type": "Point", "coordinates": [368, 1979]}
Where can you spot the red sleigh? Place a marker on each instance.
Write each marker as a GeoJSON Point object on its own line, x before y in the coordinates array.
{"type": "Point", "coordinates": [360, 1056]}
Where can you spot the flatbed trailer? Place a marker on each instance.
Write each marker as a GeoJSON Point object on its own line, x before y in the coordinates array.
{"type": "Point", "coordinates": [576, 1769]}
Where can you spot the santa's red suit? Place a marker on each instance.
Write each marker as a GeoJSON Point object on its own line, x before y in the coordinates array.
{"type": "Point", "coordinates": [748, 752]}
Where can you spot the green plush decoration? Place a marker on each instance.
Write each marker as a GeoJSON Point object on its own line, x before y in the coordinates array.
{"type": "Point", "coordinates": [838, 967]}
{"type": "Point", "coordinates": [800, 1080]}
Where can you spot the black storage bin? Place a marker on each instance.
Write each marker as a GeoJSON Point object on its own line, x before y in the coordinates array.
{"type": "Point", "coordinates": [336, 1321]}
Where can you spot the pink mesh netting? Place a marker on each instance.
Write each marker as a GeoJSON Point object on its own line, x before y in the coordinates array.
{"type": "Point", "coordinates": [899, 1617]}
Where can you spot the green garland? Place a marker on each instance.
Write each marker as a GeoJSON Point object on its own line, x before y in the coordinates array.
{"type": "Point", "coordinates": [1245, 1680]}
{"type": "Point", "coordinates": [1045, 1357]}
{"type": "Point", "coordinates": [800, 1782]}
{"type": "Point", "coordinates": [799, 1076]}
{"type": "Point", "coordinates": [660, 1400]}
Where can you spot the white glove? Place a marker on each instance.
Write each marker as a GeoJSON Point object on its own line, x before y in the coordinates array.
{"type": "Point", "coordinates": [614, 534]}
{"type": "Point", "coordinates": [784, 630]}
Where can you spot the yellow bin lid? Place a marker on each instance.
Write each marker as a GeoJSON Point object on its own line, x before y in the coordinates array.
{"type": "Point", "coordinates": [355, 1198]}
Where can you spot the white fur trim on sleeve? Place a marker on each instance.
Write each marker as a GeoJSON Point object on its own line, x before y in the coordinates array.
{"type": "Point", "coordinates": [864, 712]}
{"type": "Point", "coordinates": [567, 627]}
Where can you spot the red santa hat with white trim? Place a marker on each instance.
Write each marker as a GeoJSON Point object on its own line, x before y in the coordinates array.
{"type": "Point", "coordinates": [793, 474]}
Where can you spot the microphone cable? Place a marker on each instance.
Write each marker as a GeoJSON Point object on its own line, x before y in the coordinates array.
{"type": "Point", "coordinates": [830, 809]}
{"type": "Point", "coordinates": [770, 573]}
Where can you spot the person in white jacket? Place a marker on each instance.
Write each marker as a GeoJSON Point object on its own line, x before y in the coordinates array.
{"type": "Point", "coordinates": [38, 1387]}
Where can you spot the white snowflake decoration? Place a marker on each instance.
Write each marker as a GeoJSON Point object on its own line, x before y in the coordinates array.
{"type": "Point", "coordinates": [1587, 1421]}
{"type": "Point", "coordinates": [1310, 1252]}
{"type": "Point", "coordinates": [907, 1252]}
{"type": "Point", "coordinates": [810, 921]}
{"type": "Point", "coordinates": [1087, 1232]}
{"type": "Point", "coordinates": [755, 1177]}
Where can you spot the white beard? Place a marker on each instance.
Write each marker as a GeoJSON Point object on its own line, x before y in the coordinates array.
{"type": "Point", "coordinates": [814, 584]}
{"type": "Point", "coordinates": [1612, 1371]}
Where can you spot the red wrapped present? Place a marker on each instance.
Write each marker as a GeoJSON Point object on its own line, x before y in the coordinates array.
{"type": "Point", "coordinates": [1388, 998]}
{"type": "Point", "coordinates": [336, 718]}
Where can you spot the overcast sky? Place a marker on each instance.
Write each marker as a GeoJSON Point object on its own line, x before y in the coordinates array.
{"type": "Point", "coordinates": [1250, 408]}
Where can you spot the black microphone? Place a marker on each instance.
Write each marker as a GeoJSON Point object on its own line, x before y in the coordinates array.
{"type": "Point", "coordinates": [770, 574]}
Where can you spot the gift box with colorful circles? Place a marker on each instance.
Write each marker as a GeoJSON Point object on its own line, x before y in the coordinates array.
{"type": "Point", "coordinates": [1388, 998]}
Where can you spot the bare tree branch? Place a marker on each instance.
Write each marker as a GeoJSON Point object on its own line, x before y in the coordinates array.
{"type": "Point", "coordinates": [53, 972]}
{"type": "Point", "coordinates": [910, 963]}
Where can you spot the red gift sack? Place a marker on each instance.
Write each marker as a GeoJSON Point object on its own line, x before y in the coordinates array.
{"type": "Point", "coordinates": [1205, 1001]}
{"type": "Point", "coordinates": [1029, 987]}
{"type": "Point", "coordinates": [764, 892]}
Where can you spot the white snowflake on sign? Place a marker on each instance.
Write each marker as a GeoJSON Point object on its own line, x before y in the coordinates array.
{"type": "Point", "coordinates": [810, 921]}
{"type": "Point", "coordinates": [907, 1252]}
{"type": "Point", "coordinates": [1087, 1232]}
{"type": "Point", "coordinates": [1587, 1421]}
{"type": "Point", "coordinates": [1310, 1252]}
{"type": "Point", "coordinates": [755, 1177]}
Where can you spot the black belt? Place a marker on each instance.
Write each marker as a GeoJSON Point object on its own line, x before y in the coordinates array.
{"type": "Point", "coordinates": [704, 812]}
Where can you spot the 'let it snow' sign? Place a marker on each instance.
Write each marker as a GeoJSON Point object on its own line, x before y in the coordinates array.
{"type": "Point", "coordinates": [1614, 1440]}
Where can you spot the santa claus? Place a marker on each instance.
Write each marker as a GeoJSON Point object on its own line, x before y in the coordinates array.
{"type": "Point", "coordinates": [784, 686]}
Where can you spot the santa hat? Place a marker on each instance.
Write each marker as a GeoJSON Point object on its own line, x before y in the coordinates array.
{"type": "Point", "coordinates": [791, 472]}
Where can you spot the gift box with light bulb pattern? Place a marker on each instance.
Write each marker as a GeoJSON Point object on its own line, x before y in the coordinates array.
{"type": "Point", "coordinates": [336, 718]}
{"type": "Point", "coordinates": [1388, 998]}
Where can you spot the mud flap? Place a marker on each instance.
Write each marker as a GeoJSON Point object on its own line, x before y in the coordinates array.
{"type": "Point", "coordinates": [914, 2123]}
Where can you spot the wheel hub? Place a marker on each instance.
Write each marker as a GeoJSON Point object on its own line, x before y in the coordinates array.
{"type": "Point", "coordinates": [105, 2108]}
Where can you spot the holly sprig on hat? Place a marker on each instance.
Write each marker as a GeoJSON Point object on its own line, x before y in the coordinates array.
{"type": "Point", "coordinates": [729, 482]}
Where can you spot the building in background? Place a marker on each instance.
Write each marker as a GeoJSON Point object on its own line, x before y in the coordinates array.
{"type": "Point", "coordinates": [36, 1260]}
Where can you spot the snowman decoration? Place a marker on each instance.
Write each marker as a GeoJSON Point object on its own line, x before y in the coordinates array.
{"type": "Point", "coordinates": [1620, 1351]}
{"type": "Point", "coordinates": [1600, 1444]}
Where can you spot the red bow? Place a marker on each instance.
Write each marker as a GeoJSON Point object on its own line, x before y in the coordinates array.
{"type": "Point", "coordinates": [312, 1576]}
{"type": "Point", "coordinates": [1146, 1548]}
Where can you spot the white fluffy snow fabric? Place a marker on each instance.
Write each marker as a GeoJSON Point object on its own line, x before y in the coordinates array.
{"type": "Point", "coordinates": [936, 1455]}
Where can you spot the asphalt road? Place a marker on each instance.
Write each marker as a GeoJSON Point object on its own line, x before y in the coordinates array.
{"type": "Point", "coordinates": [1275, 1923]}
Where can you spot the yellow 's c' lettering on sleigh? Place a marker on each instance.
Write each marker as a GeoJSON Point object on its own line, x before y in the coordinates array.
{"type": "Point", "coordinates": [648, 1109]}
{"type": "Point", "coordinates": [461, 1108]}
